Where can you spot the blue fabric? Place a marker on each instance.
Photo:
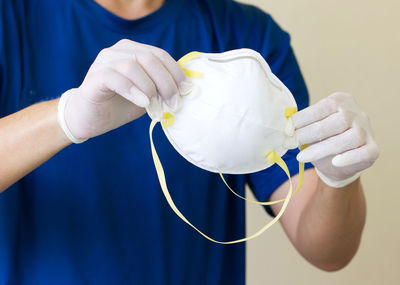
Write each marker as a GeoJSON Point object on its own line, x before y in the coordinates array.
{"type": "Point", "coordinates": [94, 213]}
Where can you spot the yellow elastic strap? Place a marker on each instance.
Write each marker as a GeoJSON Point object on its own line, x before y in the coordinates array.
{"type": "Point", "coordinates": [301, 178]}
{"type": "Point", "coordinates": [188, 57]}
{"type": "Point", "coordinates": [273, 158]}
{"type": "Point", "coordinates": [289, 111]}
{"type": "Point", "coordinates": [168, 120]}
{"type": "Point", "coordinates": [192, 73]}
{"type": "Point", "coordinates": [185, 59]}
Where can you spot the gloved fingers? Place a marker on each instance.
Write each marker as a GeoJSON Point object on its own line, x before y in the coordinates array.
{"type": "Point", "coordinates": [184, 85]}
{"type": "Point", "coordinates": [343, 99]}
{"type": "Point", "coordinates": [136, 97]}
{"type": "Point", "coordinates": [161, 77]}
{"type": "Point", "coordinates": [154, 109]}
{"type": "Point", "coordinates": [350, 139]}
{"type": "Point", "coordinates": [115, 82]}
{"type": "Point", "coordinates": [128, 46]}
{"type": "Point", "coordinates": [108, 56]}
{"type": "Point", "coordinates": [314, 113]}
{"type": "Point", "coordinates": [365, 155]}
{"type": "Point", "coordinates": [332, 125]}
{"type": "Point", "coordinates": [135, 73]}
{"type": "Point", "coordinates": [128, 50]}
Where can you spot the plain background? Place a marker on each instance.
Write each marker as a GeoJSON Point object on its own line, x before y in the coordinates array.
{"type": "Point", "coordinates": [351, 46]}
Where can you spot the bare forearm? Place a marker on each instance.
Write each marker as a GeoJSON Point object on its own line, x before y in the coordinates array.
{"type": "Point", "coordinates": [330, 226]}
{"type": "Point", "coordinates": [28, 138]}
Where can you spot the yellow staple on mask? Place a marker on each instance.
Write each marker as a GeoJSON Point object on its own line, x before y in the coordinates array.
{"type": "Point", "coordinates": [185, 59]}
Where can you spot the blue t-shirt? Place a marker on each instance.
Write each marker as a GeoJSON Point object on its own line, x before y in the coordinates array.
{"type": "Point", "coordinates": [95, 213]}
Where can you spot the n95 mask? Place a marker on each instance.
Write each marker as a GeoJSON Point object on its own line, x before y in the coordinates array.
{"type": "Point", "coordinates": [236, 119]}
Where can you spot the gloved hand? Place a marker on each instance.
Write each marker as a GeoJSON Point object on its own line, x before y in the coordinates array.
{"type": "Point", "coordinates": [122, 81]}
{"type": "Point", "coordinates": [340, 139]}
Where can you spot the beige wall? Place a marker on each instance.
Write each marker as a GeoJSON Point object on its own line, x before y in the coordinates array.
{"type": "Point", "coordinates": [348, 46]}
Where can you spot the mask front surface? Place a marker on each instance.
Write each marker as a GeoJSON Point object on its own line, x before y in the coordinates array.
{"type": "Point", "coordinates": [236, 120]}
{"type": "Point", "coordinates": [235, 114]}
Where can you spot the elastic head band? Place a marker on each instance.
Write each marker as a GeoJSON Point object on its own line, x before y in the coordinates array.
{"type": "Point", "coordinates": [185, 59]}
{"type": "Point", "coordinates": [272, 156]}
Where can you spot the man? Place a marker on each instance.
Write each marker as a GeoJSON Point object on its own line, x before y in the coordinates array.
{"type": "Point", "coordinates": [93, 213]}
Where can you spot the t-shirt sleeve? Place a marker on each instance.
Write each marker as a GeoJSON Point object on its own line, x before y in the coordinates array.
{"type": "Point", "coordinates": [1, 48]}
{"type": "Point", "coordinates": [277, 51]}
{"type": "Point", "coordinates": [10, 60]}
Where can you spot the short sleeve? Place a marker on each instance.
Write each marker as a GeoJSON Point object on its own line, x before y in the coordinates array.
{"type": "Point", "coordinates": [1, 47]}
{"type": "Point", "coordinates": [278, 53]}
{"type": "Point", "coordinates": [10, 56]}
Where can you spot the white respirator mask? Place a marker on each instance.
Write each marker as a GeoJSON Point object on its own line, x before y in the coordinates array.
{"type": "Point", "coordinates": [235, 120]}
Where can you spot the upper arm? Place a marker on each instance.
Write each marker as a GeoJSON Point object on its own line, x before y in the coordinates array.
{"type": "Point", "coordinates": [290, 219]}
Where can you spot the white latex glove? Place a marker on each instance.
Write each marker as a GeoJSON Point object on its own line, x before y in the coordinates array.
{"type": "Point", "coordinates": [340, 139]}
{"type": "Point", "coordinates": [122, 81]}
